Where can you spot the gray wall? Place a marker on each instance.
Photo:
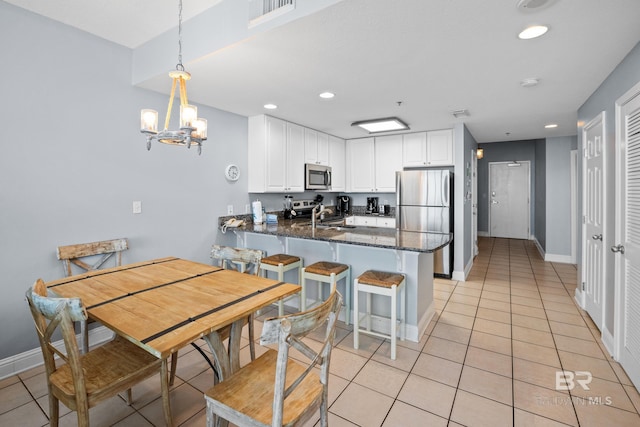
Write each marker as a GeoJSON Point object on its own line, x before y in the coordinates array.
{"type": "Point", "coordinates": [73, 160]}
{"type": "Point", "coordinates": [540, 196]}
{"type": "Point", "coordinates": [463, 211]}
{"type": "Point", "coordinates": [623, 78]}
{"type": "Point", "coordinates": [558, 195]}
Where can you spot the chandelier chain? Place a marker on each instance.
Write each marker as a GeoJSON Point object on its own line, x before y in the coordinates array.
{"type": "Point", "coordinates": [179, 66]}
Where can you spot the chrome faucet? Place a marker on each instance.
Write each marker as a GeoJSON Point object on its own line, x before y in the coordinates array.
{"type": "Point", "coordinates": [315, 215]}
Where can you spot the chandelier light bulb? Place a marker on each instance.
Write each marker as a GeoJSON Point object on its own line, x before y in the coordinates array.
{"type": "Point", "coordinates": [188, 115]}
{"type": "Point", "coordinates": [149, 120]}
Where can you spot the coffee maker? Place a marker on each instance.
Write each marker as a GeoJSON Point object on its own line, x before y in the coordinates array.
{"type": "Point", "coordinates": [372, 205]}
{"type": "Point", "coordinates": [343, 205]}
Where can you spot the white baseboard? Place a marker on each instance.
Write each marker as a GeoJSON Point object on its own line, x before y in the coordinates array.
{"type": "Point", "coordinates": [607, 340]}
{"type": "Point", "coordinates": [483, 233]}
{"type": "Point", "coordinates": [32, 358]}
{"type": "Point", "coordinates": [564, 259]}
{"type": "Point", "coordinates": [579, 297]}
{"type": "Point", "coordinates": [539, 247]}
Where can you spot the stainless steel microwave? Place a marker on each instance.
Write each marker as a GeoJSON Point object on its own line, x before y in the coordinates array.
{"type": "Point", "coordinates": [317, 177]}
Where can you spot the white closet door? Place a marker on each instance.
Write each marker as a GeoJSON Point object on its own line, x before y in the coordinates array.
{"type": "Point", "coordinates": [627, 242]}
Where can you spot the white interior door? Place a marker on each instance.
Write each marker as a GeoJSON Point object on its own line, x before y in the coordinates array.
{"type": "Point", "coordinates": [509, 200]}
{"type": "Point", "coordinates": [593, 200]}
{"type": "Point", "coordinates": [627, 235]}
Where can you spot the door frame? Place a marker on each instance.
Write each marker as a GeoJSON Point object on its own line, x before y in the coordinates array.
{"type": "Point", "coordinates": [528, 163]}
{"type": "Point", "coordinates": [474, 203]}
{"type": "Point", "coordinates": [574, 205]}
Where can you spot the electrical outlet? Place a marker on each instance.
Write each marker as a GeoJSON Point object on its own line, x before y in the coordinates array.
{"type": "Point", "coordinates": [229, 209]}
{"type": "Point", "coordinates": [247, 209]}
{"type": "Point", "coordinates": [137, 207]}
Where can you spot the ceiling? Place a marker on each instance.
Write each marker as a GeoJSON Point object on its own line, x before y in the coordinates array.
{"type": "Point", "coordinates": [415, 59]}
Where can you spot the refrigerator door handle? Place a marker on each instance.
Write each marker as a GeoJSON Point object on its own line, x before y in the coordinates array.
{"type": "Point", "coordinates": [445, 190]}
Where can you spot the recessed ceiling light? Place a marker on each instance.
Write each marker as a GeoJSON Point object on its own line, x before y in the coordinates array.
{"type": "Point", "coordinates": [529, 82]}
{"type": "Point", "coordinates": [270, 106]}
{"type": "Point", "coordinates": [551, 126]}
{"type": "Point", "coordinates": [382, 125]}
{"type": "Point", "coordinates": [327, 95]}
{"type": "Point", "coordinates": [532, 32]}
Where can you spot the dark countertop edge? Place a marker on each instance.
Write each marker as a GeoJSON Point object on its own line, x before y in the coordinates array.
{"type": "Point", "coordinates": [249, 229]}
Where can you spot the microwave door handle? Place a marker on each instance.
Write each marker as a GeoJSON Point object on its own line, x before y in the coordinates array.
{"type": "Point", "coordinates": [328, 178]}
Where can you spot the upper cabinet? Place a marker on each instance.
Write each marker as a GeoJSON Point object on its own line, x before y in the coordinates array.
{"type": "Point", "coordinates": [316, 147]}
{"type": "Point", "coordinates": [276, 155]}
{"type": "Point", "coordinates": [372, 164]}
{"type": "Point", "coordinates": [433, 148]}
{"type": "Point", "coordinates": [279, 149]}
{"type": "Point", "coordinates": [338, 164]}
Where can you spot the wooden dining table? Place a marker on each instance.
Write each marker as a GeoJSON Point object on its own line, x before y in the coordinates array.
{"type": "Point", "coordinates": [165, 304]}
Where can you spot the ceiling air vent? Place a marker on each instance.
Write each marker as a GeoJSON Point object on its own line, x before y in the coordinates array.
{"type": "Point", "coordinates": [264, 10]}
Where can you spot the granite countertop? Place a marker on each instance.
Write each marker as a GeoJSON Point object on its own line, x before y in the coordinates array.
{"type": "Point", "coordinates": [366, 236]}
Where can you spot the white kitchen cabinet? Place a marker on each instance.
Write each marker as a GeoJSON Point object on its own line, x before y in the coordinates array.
{"type": "Point", "coordinates": [360, 165]}
{"type": "Point", "coordinates": [372, 164]}
{"type": "Point", "coordinates": [371, 221]}
{"type": "Point", "coordinates": [414, 149]}
{"type": "Point", "coordinates": [440, 148]}
{"type": "Point", "coordinates": [388, 160]}
{"type": "Point", "coordinates": [276, 156]}
{"type": "Point", "coordinates": [338, 163]}
{"type": "Point", "coordinates": [316, 147]}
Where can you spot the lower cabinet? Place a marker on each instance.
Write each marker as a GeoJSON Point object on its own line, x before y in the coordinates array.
{"type": "Point", "coordinates": [371, 221]}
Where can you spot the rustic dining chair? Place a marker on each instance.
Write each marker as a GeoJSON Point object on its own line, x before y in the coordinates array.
{"type": "Point", "coordinates": [238, 259]}
{"type": "Point", "coordinates": [275, 390]}
{"type": "Point", "coordinates": [83, 381]}
{"type": "Point", "coordinates": [79, 255]}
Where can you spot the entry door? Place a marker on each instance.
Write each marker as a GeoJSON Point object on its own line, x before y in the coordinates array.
{"type": "Point", "coordinates": [509, 200]}
{"type": "Point", "coordinates": [627, 235]}
{"type": "Point", "coordinates": [593, 200]}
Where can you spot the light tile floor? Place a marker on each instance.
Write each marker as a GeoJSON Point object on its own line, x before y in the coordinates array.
{"type": "Point", "coordinates": [489, 358]}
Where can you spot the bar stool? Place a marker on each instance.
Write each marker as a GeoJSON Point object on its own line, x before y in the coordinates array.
{"type": "Point", "coordinates": [281, 263]}
{"type": "Point", "coordinates": [380, 283]}
{"type": "Point", "coordinates": [327, 272]}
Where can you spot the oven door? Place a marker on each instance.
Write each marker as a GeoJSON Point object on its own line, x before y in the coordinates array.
{"type": "Point", "coordinates": [317, 177]}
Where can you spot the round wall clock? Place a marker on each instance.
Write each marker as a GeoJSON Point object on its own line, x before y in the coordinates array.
{"type": "Point", "coordinates": [232, 172]}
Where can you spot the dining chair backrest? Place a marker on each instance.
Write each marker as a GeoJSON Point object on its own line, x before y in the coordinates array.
{"type": "Point", "coordinates": [245, 398]}
{"type": "Point", "coordinates": [82, 381]}
{"type": "Point", "coordinates": [79, 254]}
{"type": "Point", "coordinates": [240, 259]}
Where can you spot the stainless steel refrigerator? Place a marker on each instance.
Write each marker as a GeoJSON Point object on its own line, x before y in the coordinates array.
{"type": "Point", "coordinates": [424, 203]}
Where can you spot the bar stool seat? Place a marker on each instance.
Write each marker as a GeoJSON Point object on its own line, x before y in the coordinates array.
{"type": "Point", "coordinates": [380, 283]}
{"type": "Point", "coordinates": [327, 272]}
{"type": "Point", "coordinates": [281, 263]}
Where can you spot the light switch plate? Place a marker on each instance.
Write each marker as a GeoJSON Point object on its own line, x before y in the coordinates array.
{"type": "Point", "coordinates": [137, 207]}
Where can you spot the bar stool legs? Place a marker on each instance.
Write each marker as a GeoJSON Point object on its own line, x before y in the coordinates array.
{"type": "Point", "coordinates": [380, 283]}
{"type": "Point", "coordinates": [281, 263]}
{"type": "Point", "coordinates": [331, 273]}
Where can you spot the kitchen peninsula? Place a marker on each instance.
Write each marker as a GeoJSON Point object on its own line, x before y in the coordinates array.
{"type": "Point", "coordinates": [362, 248]}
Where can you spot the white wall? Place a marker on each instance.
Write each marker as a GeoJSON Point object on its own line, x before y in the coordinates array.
{"type": "Point", "coordinates": [73, 160]}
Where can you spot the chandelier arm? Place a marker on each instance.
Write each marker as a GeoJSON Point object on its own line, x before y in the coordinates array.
{"type": "Point", "coordinates": [183, 92]}
{"type": "Point", "coordinates": [170, 106]}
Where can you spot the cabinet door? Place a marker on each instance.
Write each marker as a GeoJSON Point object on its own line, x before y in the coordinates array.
{"type": "Point", "coordinates": [440, 148]}
{"type": "Point", "coordinates": [295, 158]}
{"type": "Point", "coordinates": [276, 152]}
{"type": "Point", "coordinates": [310, 146]}
{"type": "Point", "coordinates": [388, 160]}
{"type": "Point", "coordinates": [414, 149]}
{"type": "Point", "coordinates": [337, 162]}
{"type": "Point", "coordinates": [367, 221]}
{"type": "Point", "coordinates": [323, 149]}
{"type": "Point", "coordinates": [386, 222]}
{"type": "Point", "coordinates": [360, 165]}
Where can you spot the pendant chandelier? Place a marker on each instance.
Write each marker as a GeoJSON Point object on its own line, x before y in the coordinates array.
{"type": "Point", "coordinates": [193, 130]}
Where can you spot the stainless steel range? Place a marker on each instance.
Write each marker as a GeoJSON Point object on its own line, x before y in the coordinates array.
{"type": "Point", "coordinates": [303, 208]}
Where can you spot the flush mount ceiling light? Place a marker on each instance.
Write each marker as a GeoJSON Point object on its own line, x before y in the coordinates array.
{"type": "Point", "coordinates": [327, 95]}
{"type": "Point", "coordinates": [530, 4]}
{"type": "Point", "coordinates": [193, 130]}
{"type": "Point", "coordinates": [532, 32]}
{"type": "Point", "coordinates": [460, 113]}
{"type": "Point", "coordinates": [551, 126]}
{"type": "Point", "coordinates": [270, 106]}
{"type": "Point", "coordinates": [382, 125]}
